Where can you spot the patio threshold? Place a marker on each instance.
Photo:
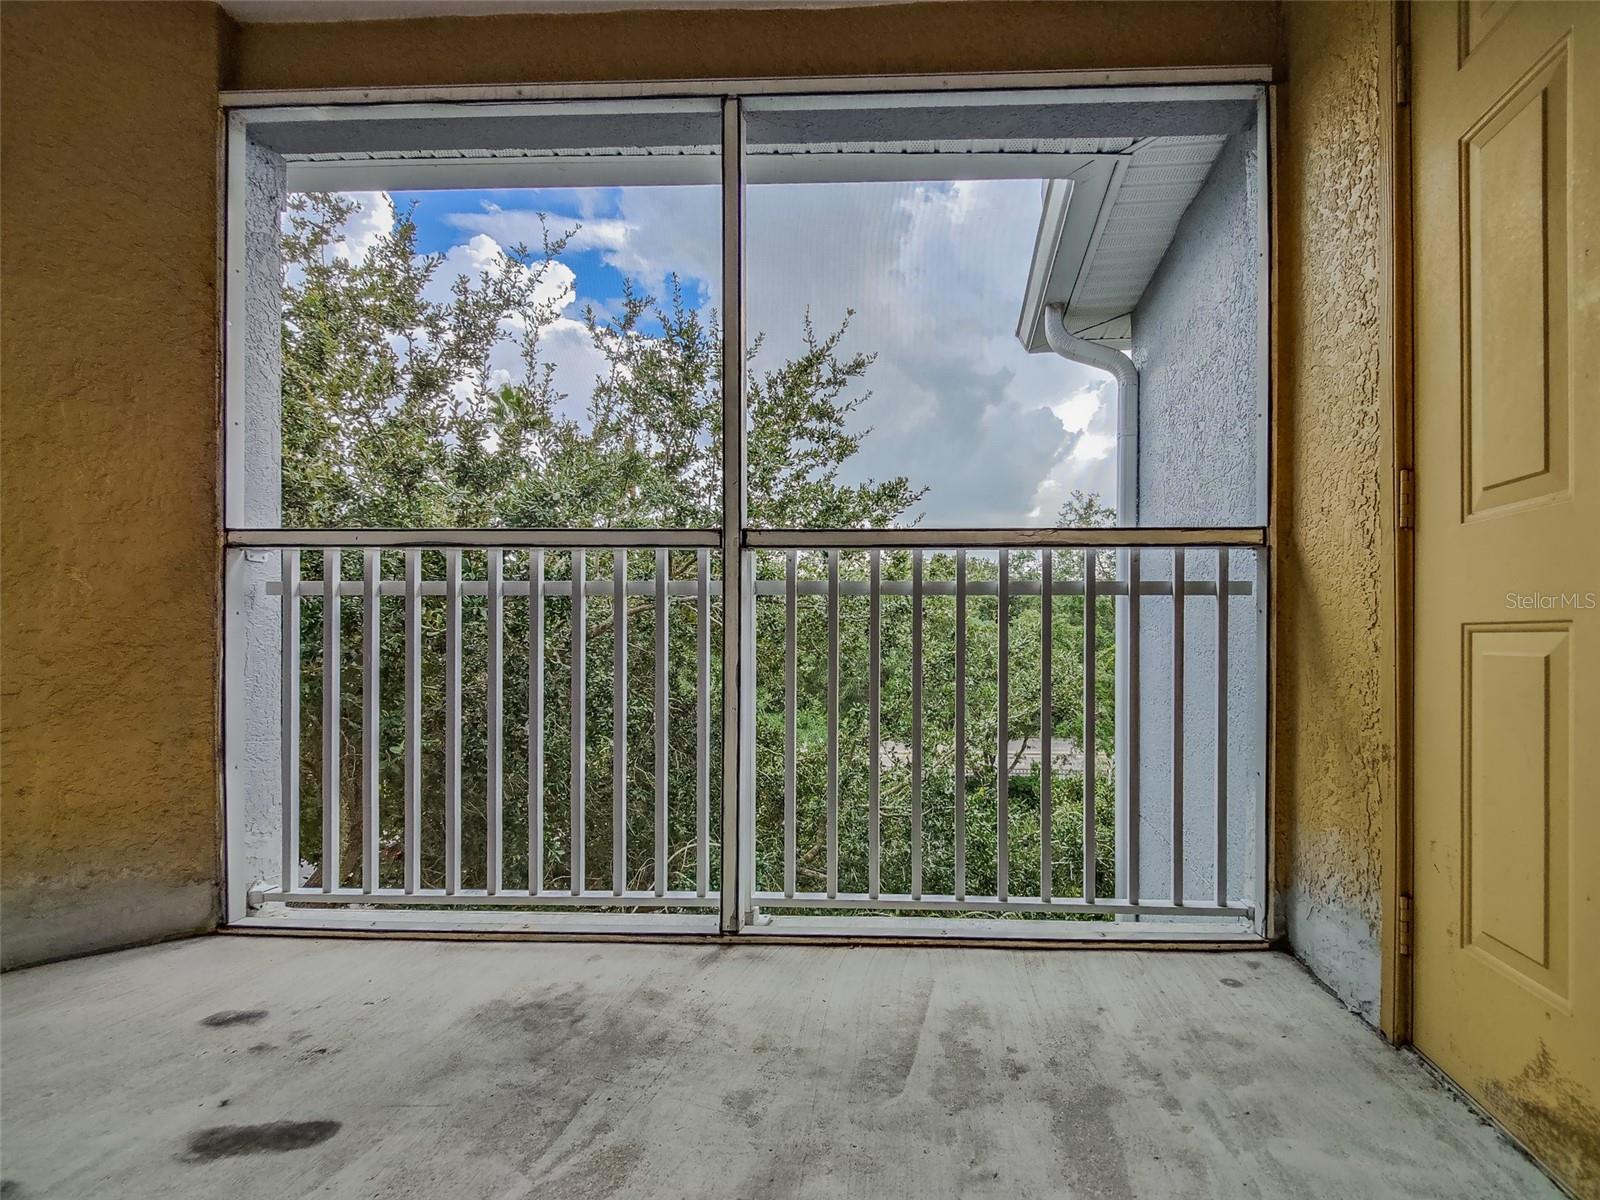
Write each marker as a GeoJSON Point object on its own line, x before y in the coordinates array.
{"type": "Point", "coordinates": [649, 926]}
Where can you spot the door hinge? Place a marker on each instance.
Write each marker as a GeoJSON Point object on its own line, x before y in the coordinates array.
{"type": "Point", "coordinates": [1405, 926]}
{"type": "Point", "coordinates": [1402, 74]}
{"type": "Point", "coordinates": [1406, 498]}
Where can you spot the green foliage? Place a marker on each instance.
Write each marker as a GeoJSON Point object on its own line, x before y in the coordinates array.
{"type": "Point", "coordinates": [391, 418]}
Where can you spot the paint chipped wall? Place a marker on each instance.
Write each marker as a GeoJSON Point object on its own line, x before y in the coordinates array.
{"type": "Point", "coordinates": [109, 473]}
{"type": "Point", "coordinates": [1335, 760]}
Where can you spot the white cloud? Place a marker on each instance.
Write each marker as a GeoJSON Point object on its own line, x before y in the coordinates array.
{"type": "Point", "coordinates": [1079, 409]}
{"type": "Point", "coordinates": [1092, 447]}
{"type": "Point", "coordinates": [373, 218]}
{"type": "Point", "coordinates": [476, 255]}
{"type": "Point", "coordinates": [661, 231]}
{"type": "Point", "coordinates": [935, 274]}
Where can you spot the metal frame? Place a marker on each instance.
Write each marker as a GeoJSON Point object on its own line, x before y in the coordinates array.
{"type": "Point", "coordinates": [735, 539]}
{"type": "Point", "coordinates": [542, 539]}
{"type": "Point", "coordinates": [620, 91]}
{"type": "Point", "coordinates": [987, 539]}
{"type": "Point", "coordinates": [1396, 266]}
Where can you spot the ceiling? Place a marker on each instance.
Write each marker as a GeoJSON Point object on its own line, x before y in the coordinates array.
{"type": "Point", "coordinates": [271, 12]}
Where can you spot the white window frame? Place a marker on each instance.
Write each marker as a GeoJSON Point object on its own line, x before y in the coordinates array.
{"type": "Point", "coordinates": [735, 539]}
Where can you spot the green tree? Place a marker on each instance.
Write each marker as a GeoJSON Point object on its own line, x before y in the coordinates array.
{"type": "Point", "coordinates": [391, 417]}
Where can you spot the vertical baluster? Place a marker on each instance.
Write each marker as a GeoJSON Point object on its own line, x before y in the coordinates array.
{"type": "Point", "coordinates": [413, 722]}
{"type": "Point", "coordinates": [535, 721]}
{"type": "Point", "coordinates": [619, 721]}
{"type": "Point", "coordinates": [790, 705]}
{"type": "Point", "coordinates": [961, 725]}
{"type": "Point", "coordinates": [452, 736]}
{"type": "Point", "coordinates": [289, 722]}
{"type": "Point", "coordinates": [702, 720]}
{"type": "Point", "coordinates": [1177, 726]}
{"type": "Point", "coordinates": [661, 721]}
{"type": "Point", "coordinates": [1130, 723]}
{"type": "Point", "coordinates": [1046, 723]}
{"type": "Point", "coordinates": [916, 724]}
{"type": "Point", "coordinates": [874, 721]}
{"type": "Point", "coordinates": [331, 741]}
{"type": "Point", "coordinates": [1222, 728]}
{"type": "Point", "coordinates": [580, 691]}
{"type": "Point", "coordinates": [494, 787]}
{"type": "Point", "coordinates": [1002, 831]}
{"type": "Point", "coordinates": [833, 723]}
{"type": "Point", "coordinates": [371, 576]}
{"type": "Point", "coordinates": [1091, 604]}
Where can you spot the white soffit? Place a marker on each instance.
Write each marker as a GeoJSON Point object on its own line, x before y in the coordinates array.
{"type": "Point", "coordinates": [1103, 234]}
{"type": "Point", "coordinates": [659, 165]}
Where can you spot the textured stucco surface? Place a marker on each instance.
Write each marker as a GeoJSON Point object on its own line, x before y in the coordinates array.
{"type": "Point", "coordinates": [253, 688]}
{"type": "Point", "coordinates": [973, 35]}
{"type": "Point", "coordinates": [1196, 342]}
{"type": "Point", "coordinates": [1335, 760]}
{"type": "Point", "coordinates": [109, 475]}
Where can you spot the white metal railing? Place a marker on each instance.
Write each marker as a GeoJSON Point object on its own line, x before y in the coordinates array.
{"type": "Point", "coordinates": [529, 593]}
{"type": "Point", "coordinates": [458, 686]}
{"type": "Point", "coordinates": [1137, 585]}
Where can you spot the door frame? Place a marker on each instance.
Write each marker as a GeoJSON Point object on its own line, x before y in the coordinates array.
{"type": "Point", "coordinates": [1396, 488]}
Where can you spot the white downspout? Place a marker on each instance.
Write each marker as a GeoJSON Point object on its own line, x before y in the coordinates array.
{"type": "Point", "coordinates": [1120, 367]}
{"type": "Point", "coordinates": [1126, 376]}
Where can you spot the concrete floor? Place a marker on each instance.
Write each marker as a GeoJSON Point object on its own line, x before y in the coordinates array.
{"type": "Point", "coordinates": [245, 1067]}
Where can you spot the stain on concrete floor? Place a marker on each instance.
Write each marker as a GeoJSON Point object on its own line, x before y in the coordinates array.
{"type": "Point", "coordinates": [233, 1016]}
{"type": "Point", "coordinates": [271, 1137]}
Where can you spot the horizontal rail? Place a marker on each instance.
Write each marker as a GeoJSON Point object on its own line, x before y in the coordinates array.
{"type": "Point", "coordinates": [480, 898]}
{"type": "Point", "coordinates": [608, 539]}
{"type": "Point", "coordinates": [902, 903]}
{"type": "Point", "coordinates": [687, 588]}
{"type": "Point", "coordinates": [755, 539]}
{"type": "Point", "coordinates": [978, 539]}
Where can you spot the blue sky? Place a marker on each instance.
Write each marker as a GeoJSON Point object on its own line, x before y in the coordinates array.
{"type": "Point", "coordinates": [439, 214]}
{"type": "Point", "coordinates": [933, 271]}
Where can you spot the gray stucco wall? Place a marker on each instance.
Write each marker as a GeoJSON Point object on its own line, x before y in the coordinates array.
{"type": "Point", "coordinates": [1196, 342]}
{"type": "Point", "coordinates": [251, 666]}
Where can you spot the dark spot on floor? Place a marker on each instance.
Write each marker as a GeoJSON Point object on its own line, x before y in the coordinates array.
{"type": "Point", "coordinates": [746, 1105]}
{"type": "Point", "coordinates": [234, 1016]}
{"type": "Point", "coordinates": [1232, 983]}
{"type": "Point", "coordinates": [1252, 964]}
{"type": "Point", "coordinates": [262, 1048]}
{"type": "Point", "coordinates": [10, 1189]}
{"type": "Point", "coordinates": [273, 1137]}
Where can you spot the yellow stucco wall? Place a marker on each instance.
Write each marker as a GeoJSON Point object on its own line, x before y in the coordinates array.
{"type": "Point", "coordinates": [1335, 757]}
{"type": "Point", "coordinates": [972, 35]}
{"type": "Point", "coordinates": [109, 811]}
